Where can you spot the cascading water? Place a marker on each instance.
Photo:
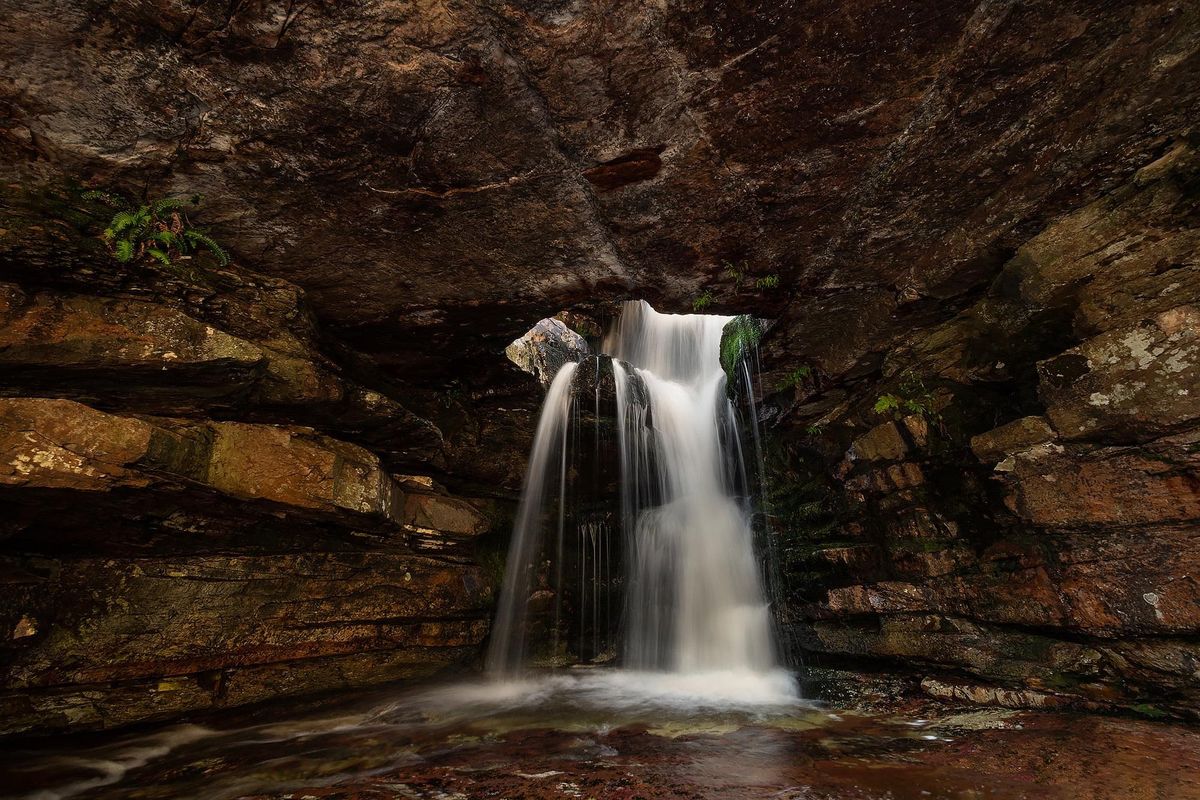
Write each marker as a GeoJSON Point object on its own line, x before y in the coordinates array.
{"type": "Point", "coordinates": [695, 599]}
{"type": "Point", "coordinates": [507, 650]}
{"type": "Point", "coordinates": [693, 595]}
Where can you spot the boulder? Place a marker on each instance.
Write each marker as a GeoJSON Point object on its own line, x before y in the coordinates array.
{"type": "Point", "coordinates": [546, 347]}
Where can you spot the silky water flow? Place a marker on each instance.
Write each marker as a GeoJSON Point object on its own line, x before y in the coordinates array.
{"type": "Point", "coordinates": [695, 619]}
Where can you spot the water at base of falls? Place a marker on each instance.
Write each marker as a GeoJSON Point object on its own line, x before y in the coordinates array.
{"type": "Point", "coordinates": [695, 620]}
{"type": "Point", "coordinates": [611, 734]}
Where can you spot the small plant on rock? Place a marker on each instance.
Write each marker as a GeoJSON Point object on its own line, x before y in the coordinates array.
{"type": "Point", "coordinates": [736, 273]}
{"type": "Point", "coordinates": [767, 282]}
{"type": "Point", "coordinates": [702, 302]}
{"type": "Point", "coordinates": [912, 397]}
{"type": "Point", "coordinates": [158, 230]}
{"type": "Point", "coordinates": [795, 377]}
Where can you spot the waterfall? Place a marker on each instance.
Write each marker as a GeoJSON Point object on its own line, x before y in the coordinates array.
{"type": "Point", "coordinates": [693, 594]}
{"type": "Point", "coordinates": [694, 597]}
{"type": "Point", "coordinates": [507, 650]}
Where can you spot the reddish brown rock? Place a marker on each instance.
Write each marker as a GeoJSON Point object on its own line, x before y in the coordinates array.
{"type": "Point", "coordinates": [891, 441]}
{"type": "Point", "coordinates": [118, 642]}
{"type": "Point", "coordinates": [1018, 435]}
{"type": "Point", "coordinates": [1128, 384]}
{"type": "Point", "coordinates": [638, 165]}
{"type": "Point", "coordinates": [64, 445]}
{"type": "Point", "coordinates": [1157, 483]}
{"type": "Point", "coordinates": [445, 514]}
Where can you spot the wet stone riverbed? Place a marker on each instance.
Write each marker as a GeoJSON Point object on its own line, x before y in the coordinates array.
{"type": "Point", "coordinates": [618, 738]}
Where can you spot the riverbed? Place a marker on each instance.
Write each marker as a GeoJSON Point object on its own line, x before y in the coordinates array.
{"type": "Point", "coordinates": [618, 736]}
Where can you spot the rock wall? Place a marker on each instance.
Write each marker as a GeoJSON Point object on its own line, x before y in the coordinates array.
{"type": "Point", "coordinates": [1031, 520]}
{"type": "Point", "coordinates": [175, 540]}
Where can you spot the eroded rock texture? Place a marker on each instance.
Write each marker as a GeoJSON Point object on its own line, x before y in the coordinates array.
{"type": "Point", "coordinates": [175, 541]}
{"type": "Point", "coordinates": [983, 209]}
{"type": "Point", "coordinates": [1058, 552]}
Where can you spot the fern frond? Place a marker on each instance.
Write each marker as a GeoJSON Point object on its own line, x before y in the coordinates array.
{"type": "Point", "coordinates": [166, 238]}
{"type": "Point", "coordinates": [887, 403]}
{"type": "Point", "coordinates": [159, 255]}
{"type": "Point", "coordinates": [121, 222]}
{"type": "Point", "coordinates": [167, 204]}
{"type": "Point", "coordinates": [198, 238]}
{"type": "Point", "coordinates": [123, 250]}
{"type": "Point", "coordinates": [144, 227]}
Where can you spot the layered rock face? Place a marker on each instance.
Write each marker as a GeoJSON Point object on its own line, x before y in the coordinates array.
{"type": "Point", "coordinates": [1056, 553]}
{"type": "Point", "coordinates": [982, 211]}
{"type": "Point", "coordinates": [162, 555]}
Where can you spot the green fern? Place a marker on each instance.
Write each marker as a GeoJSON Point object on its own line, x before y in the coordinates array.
{"type": "Point", "coordinates": [911, 397]}
{"type": "Point", "coordinates": [198, 239]}
{"type": "Point", "coordinates": [795, 377]}
{"type": "Point", "coordinates": [159, 255]}
{"type": "Point", "coordinates": [158, 230]}
{"type": "Point", "coordinates": [168, 239]}
{"type": "Point", "coordinates": [736, 273]}
{"type": "Point", "coordinates": [888, 403]}
{"type": "Point", "coordinates": [702, 302]}
{"type": "Point", "coordinates": [768, 282]}
{"type": "Point", "coordinates": [121, 222]}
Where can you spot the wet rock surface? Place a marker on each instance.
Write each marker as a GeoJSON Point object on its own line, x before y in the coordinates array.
{"type": "Point", "coordinates": [112, 643]}
{"type": "Point", "coordinates": [403, 747]}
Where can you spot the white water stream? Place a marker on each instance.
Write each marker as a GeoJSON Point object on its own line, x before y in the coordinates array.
{"type": "Point", "coordinates": [695, 598]}
{"type": "Point", "coordinates": [695, 613]}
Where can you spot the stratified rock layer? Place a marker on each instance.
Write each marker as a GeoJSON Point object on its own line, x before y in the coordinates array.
{"type": "Point", "coordinates": [159, 558]}
{"type": "Point", "coordinates": [107, 642]}
{"type": "Point", "coordinates": [1059, 554]}
{"type": "Point", "coordinates": [121, 629]}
